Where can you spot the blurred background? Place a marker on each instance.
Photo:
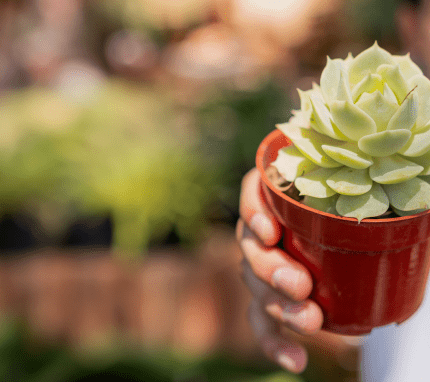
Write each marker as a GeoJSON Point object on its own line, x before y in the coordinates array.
{"type": "Point", "coordinates": [125, 129]}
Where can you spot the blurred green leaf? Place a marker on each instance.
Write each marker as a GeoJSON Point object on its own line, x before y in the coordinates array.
{"type": "Point", "coordinates": [120, 155]}
{"type": "Point", "coordinates": [372, 19]}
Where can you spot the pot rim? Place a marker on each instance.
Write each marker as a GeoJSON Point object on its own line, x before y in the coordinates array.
{"type": "Point", "coordinates": [261, 151]}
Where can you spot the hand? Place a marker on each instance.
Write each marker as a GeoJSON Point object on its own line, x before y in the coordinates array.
{"type": "Point", "coordinates": [279, 284]}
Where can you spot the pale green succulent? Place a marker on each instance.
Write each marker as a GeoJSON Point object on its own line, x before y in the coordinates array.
{"type": "Point", "coordinates": [361, 140]}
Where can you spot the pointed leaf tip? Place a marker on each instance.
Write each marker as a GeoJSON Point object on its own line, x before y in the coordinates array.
{"type": "Point", "coordinates": [368, 62]}
{"type": "Point", "coordinates": [373, 203]}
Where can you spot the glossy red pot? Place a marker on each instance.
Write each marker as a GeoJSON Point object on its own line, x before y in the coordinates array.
{"type": "Point", "coordinates": [365, 275]}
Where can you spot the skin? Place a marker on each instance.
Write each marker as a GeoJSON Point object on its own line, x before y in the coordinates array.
{"type": "Point", "coordinates": [280, 285]}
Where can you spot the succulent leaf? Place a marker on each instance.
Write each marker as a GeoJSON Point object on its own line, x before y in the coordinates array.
{"type": "Point", "coordinates": [368, 84]}
{"type": "Point", "coordinates": [299, 118]}
{"type": "Point", "coordinates": [393, 169]}
{"type": "Point", "coordinates": [424, 161]}
{"type": "Point", "coordinates": [373, 203]}
{"type": "Point", "coordinates": [353, 122]}
{"type": "Point", "coordinates": [347, 61]}
{"type": "Point", "coordinates": [406, 115]}
{"type": "Point", "coordinates": [367, 62]}
{"type": "Point", "coordinates": [322, 204]}
{"type": "Point", "coordinates": [378, 107]}
{"type": "Point", "coordinates": [330, 78]}
{"type": "Point", "coordinates": [407, 213]}
{"type": "Point", "coordinates": [413, 194]}
{"type": "Point", "coordinates": [315, 183]}
{"type": "Point", "coordinates": [343, 90]}
{"type": "Point", "coordinates": [305, 101]}
{"type": "Point", "coordinates": [309, 143]}
{"type": "Point", "coordinates": [322, 118]}
{"type": "Point", "coordinates": [349, 181]}
{"type": "Point", "coordinates": [389, 94]}
{"type": "Point", "coordinates": [385, 143]}
{"type": "Point", "coordinates": [312, 150]}
{"type": "Point", "coordinates": [392, 76]}
{"type": "Point", "coordinates": [421, 85]}
{"type": "Point", "coordinates": [418, 144]}
{"type": "Point", "coordinates": [290, 163]}
{"type": "Point", "coordinates": [408, 68]}
{"type": "Point", "coordinates": [349, 155]}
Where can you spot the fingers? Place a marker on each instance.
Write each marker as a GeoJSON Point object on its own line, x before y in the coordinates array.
{"type": "Point", "coordinates": [304, 317]}
{"type": "Point", "coordinates": [274, 267]}
{"type": "Point", "coordinates": [279, 283]}
{"type": "Point", "coordinates": [255, 213]}
{"type": "Point", "coordinates": [285, 352]}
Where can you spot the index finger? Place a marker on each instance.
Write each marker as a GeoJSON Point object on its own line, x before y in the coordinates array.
{"type": "Point", "coordinates": [254, 211]}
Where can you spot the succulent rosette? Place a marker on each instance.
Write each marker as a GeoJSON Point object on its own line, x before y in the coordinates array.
{"type": "Point", "coordinates": [361, 140]}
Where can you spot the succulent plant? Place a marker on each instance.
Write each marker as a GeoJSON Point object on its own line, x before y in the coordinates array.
{"type": "Point", "coordinates": [361, 139]}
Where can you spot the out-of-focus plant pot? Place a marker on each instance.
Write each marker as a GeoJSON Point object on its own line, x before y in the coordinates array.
{"type": "Point", "coordinates": [365, 275]}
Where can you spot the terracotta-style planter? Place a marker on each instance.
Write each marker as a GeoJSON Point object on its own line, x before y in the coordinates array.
{"type": "Point", "coordinates": [365, 275]}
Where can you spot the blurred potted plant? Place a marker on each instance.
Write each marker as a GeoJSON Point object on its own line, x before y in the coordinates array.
{"type": "Point", "coordinates": [357, 149]}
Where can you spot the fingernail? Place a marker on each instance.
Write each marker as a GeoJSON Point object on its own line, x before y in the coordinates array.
{"type": "Point", "coordinates": [287, 280]}
{"type": "Point", "coordinates": [292, 311]}
{"type": "Point", "coordinates": [262, 226]}
{"type": "Point", "coordinates": [285, 361]}
{"type": "Point", "coordinates": [295, 316]}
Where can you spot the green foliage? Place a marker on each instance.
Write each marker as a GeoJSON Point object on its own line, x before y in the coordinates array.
{"type": "Point", "coordinates": [233, 123]}
{"type": "Point", "coordinates": [122, 155]}
{"type": "Point", "coordinates": [372, 19]}
{"type": "Point", "coordinates": [24, 360]}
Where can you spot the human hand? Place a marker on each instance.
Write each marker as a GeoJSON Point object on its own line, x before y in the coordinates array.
{"type": "Point", "coordinates": [279, 284]}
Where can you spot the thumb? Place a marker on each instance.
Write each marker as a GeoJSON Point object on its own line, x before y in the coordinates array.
{"type": "Point", "coordinates": [255, 212]}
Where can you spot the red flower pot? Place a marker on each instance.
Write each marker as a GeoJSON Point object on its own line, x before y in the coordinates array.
{"type": "Point", "coordinates": [365, 275]}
